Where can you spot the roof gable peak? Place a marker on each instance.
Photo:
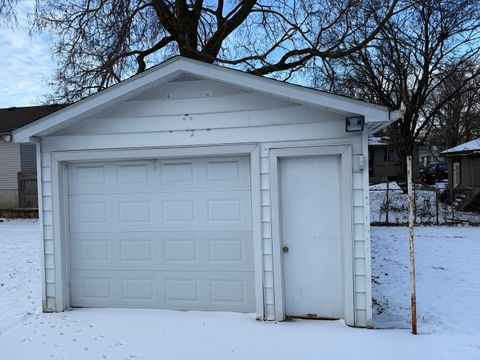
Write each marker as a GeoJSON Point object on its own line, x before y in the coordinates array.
{"type": "Point", "coordinates": [178, 69]}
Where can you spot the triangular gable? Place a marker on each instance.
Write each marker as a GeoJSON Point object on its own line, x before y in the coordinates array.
{"type": "Point", "coordinates": [180, 67]}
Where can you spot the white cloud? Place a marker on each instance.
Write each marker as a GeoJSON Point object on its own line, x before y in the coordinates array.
{"type": "Point", "coordinates": [25, 62]}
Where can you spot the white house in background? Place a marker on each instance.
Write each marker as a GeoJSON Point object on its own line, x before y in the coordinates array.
{"type": "Point", "coordinates": [18, 161]}
{"type": "Point", "coordinates": [196, 187]}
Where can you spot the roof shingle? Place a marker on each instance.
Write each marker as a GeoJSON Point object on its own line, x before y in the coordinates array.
{"type": "Point", "coordinates": [16, 117]}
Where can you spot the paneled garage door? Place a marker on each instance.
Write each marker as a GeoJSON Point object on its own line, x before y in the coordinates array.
{"type": "Point", "coordinates": [170, 234]}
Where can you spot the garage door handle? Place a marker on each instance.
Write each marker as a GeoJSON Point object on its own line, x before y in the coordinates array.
{"type": "Point", "coordinates": [285, 249]}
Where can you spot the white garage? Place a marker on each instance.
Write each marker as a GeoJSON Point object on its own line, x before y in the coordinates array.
{"type": "Point", "coordinates": [196, 187]}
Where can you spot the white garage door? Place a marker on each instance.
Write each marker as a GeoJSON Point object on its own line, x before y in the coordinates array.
{"type": "Point", "coordinates": [170, 234]}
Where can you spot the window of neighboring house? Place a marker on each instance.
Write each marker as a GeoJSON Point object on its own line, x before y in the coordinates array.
{"type": "Point", "coordinates": [393, 155]}
{"type": "Point", "coordinates": [425, 160]}
{"type": "Point", "coordinates": [370, 160]}
{"type": "Point", "coordinates": [456, 174]}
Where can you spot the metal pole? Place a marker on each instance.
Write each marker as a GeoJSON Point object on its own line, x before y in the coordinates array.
{"type": "Point", "coordinates": [413, 295]}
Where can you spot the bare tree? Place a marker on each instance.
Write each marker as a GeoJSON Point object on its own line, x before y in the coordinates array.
{"type": "Point", "coordinates": [7, 10]}
{"type": "Point", "coordinates": [418, 51]}
{"type": "Point", "coordinates": [458, 121]}
{"type": "Point", "coordinates": [100, 42]}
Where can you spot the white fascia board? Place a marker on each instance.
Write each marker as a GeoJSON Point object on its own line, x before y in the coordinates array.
{"type": "Point", "coordinates": [374, 127]}
{"type": "Point", "coordinates": [171, 68]}
{"type": "Point", "coordinates": [393, 116]}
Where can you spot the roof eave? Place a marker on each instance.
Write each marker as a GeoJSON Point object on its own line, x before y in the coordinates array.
{"type": "Point", "coordinates": [393, 116]}
{"type": "Point", "coordinates": [460, 153]}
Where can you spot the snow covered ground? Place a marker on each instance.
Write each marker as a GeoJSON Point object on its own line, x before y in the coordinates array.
{"type": "Point", "coordinates": [448, 272]}
{"type": "Point", "coordinates": [20, 288]}
{"type": "Point", "coordinates": [448, 281]}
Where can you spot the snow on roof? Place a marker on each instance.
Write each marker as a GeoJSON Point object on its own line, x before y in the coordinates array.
{"type": "Point", "coordinates": [376, 141]}
{"type": "Point", "coordinates": [473, 145]}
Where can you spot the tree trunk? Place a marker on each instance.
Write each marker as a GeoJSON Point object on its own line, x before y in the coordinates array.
{"type": "Point", "coordinates": [404, 142]}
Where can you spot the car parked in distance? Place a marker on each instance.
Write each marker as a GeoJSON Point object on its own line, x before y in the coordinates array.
{"type": "Point", "coordinates": [433, 172]}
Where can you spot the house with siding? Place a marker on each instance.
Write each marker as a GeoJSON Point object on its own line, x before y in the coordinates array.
{"type": "Point", "coordinates": [428, 154]}
{"type": "Point", "coordinates": [464, 174]}
{"type": "Point", "coordinates": [197, 187]}
{"type": "Point", "coordinates": [383, 160]}
{"type": "Point", "coordinates": [18, 161]}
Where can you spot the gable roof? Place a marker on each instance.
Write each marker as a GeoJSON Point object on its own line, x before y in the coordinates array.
{"type": "Point", "coordinates": [468, 147]}
{"type": "Point", "coordinates": [376, 116]}
{"type": "Point", "coordinates": [15, 117]}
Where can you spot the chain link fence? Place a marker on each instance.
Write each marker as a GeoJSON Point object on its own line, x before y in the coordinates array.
{"type": "Point", "coordinates": [388, 206]}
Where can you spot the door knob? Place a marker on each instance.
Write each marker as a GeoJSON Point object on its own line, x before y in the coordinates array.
{"type": "Point", "coordinates": [285, 249]}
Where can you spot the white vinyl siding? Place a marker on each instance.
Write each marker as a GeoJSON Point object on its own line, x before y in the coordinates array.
{"type": "Point", "coordinates": [9, 165]}
{"type": "Point", "coordinates": [28, 158]}
{"type": "Point", "coordinates": [217, 120]}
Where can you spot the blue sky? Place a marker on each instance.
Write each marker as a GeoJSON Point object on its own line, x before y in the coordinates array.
{"type": "Point", "coordinates": [25, 62]}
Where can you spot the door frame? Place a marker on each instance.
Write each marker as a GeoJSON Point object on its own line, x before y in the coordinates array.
{"type": "Point", "coordinates": [61, 231]}
{"type": "Point", "coordinates": [344, 152]}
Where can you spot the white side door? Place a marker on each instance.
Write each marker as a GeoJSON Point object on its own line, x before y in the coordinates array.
{"type": "Point", "coordinates": [310, 232]}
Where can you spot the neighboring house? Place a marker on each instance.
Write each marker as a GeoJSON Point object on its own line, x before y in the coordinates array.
{"type": "Point", "coordinates": [383, 160]}
{"type": "Point", "coordinates": [464, 172]}
{"type": "Point", "coordinates": [18, 171]}
{"type": "Point", "coordinates": [196, 187]}
{"type": "Point", "coordinates": [429, 154]}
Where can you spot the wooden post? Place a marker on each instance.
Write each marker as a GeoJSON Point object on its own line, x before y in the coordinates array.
{"type": "Point", "coordinates": [387, 203]}
{"type": "Point", "coordinates": [452, 205]}
{"type": "Point", "coordinates": [411, 219]}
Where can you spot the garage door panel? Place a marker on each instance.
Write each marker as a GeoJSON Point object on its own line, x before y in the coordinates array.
{"type": "Point", "coordinates": [173, 172]}
{"type": "Point", "coordinates": [182, 290]}
{"type": "Point", "coordinates": [87, 211]}
{"type": "Point", "coordinates": [131, 174]}
{"type": "Point", "coordinates": [228, 171]}
{"type": "Point", "coordinates": [138, 212]}
{"type": "Point", "coordinates": [219, 174]}
{"type": "Point", "coordinates": [94, 251]}
{"type": "Point", "coordinates": [92, 288]}
{"type": "Point", "coordinates": [118, 177]}
{"type": "Point", "coordinates": [174, 175]}
{"type": "Point", "coordinates": [138, 290]}
{"type": "Point", "coordinates": [161, 211]}
{"type": "Point", "coordinates": [82, 177]}
{"type": "Point", "coordinates": [226, 291]}
{"type": "Point", "coordinates": [170, 233]}
{"type": "Point", "coordinates": [220, 251]}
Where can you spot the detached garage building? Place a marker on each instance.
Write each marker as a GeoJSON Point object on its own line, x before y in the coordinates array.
{"type": "Point", "coordinates": [196, 187]}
